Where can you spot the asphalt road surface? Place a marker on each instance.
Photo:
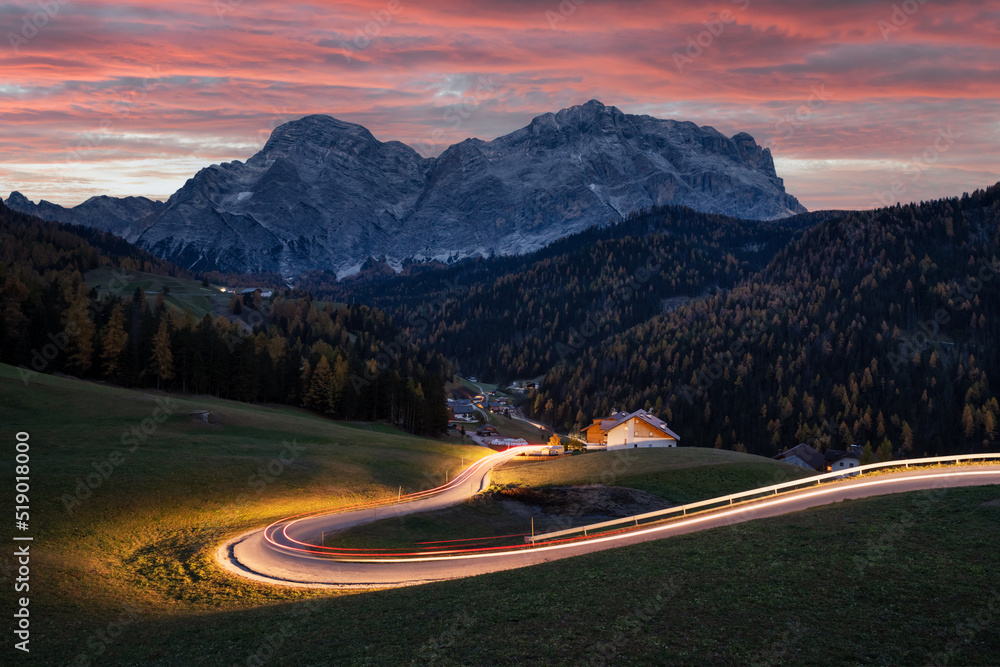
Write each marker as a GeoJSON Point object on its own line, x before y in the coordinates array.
{"type": "Point", "coordinates": [252, 556]}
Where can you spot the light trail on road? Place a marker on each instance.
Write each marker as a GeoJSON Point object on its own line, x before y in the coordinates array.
{"type": "Point", "coordinates": [287, 551]}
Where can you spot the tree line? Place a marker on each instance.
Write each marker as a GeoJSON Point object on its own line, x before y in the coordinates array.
{"type": "Point", "coordinates": [348, 362]}
{"type": "Point", "coordinates": [505, 318]}
{"type": "Point", "coordinates": [877, 329]}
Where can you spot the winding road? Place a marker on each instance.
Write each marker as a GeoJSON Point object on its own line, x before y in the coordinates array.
{"type": "Point", "coordinates": [283, 554]}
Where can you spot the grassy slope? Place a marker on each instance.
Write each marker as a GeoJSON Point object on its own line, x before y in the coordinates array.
{"type": "Point", "coordinates": [477, 387]}
{"type": "Point", "coordinates": [906, 579]}
{"type": "Point", "coordinates": [681, 474]}
{"type": "Point", "coordinates": [888, 580]}
{"type": "Point", "coordinates": [476, 518]}
{"type": "Point", "coordinates": [184, 294]}
{"type": "Point", "coordinates": [515, 428]}
{"type": "Point", "coordinates": [146, 532]}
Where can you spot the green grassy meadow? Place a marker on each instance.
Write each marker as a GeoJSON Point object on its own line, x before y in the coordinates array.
{"type": "Point", "coordinates": [127, 577]}
{"type": "Point", "coordinates": [903, 580]}
{"type": "Point", "coordinates": [477, 387]}
{"type": "Point", "coordinates": [678, 474]}
{"type": "Point", "coordinates": [185, 295]}
{"type": "Point", "coordinates": [515, 428]}
{"type": "Point", "coordinates": [119, 514]}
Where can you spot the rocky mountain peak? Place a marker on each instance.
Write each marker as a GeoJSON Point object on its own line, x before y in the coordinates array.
{"type": "Point", "coordinates": [326, 194]}
{"type": "Point", "coordinates": [16, 200]}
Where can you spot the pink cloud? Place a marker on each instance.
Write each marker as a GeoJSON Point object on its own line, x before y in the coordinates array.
{"type": "Point", "coordinates": [201, 82]}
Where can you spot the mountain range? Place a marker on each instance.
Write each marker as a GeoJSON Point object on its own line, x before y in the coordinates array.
{"type": "Point", "coordinates": [324, 194]}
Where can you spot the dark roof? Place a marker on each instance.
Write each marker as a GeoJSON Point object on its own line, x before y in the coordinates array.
{"type": "Point", "coordinates": [834, 455]}
{"type": "Point", "coordinates": [810, 456]}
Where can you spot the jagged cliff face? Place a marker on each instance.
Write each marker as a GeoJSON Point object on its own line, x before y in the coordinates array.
{"type": "Point", "coordinates": [325, 194]}
{"type": "Point", "coordinates": [126, 216]}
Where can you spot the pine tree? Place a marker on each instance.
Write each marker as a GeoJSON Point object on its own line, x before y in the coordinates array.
{"type": "Point", "coordinates": [129, 368]}
{"type": "Point", "coordinates": [162, 360]}
{"type": "Point", "coordinates": [884, 452]}
{"type": "Point", "coordinates": [968, 421]}
{"type": "Point", "coordinates": [319, 395]}
{"type": "Point", "coordinates": [907, 437]}
{"type": "Point", "coordinates": [139, 310]}
{"type": "Point", "coordinates": [114, 341]}
{"type": "Point", "coordinates": [989, 425]}
{"type": "Point", "coordinates": [80, 330]}
{"type": "Point", "coordinates": [340, 381]}
{"type": "Point", "coordinates": [866, 454]}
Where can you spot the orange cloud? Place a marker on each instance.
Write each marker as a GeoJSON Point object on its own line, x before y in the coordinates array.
{"type": "Point", "coordinates": [123, 87]}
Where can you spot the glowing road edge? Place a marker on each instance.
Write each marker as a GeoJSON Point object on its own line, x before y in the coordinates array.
{"type": "Point", "coordinates": [576, 542]}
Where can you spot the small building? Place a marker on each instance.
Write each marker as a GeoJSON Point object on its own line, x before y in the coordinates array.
{"type": "Point", "coordinates": [804, 456]}
{"type": "Point", "coordinates": [629, 430]}
{"type": "Point", "coordinates": [498, 407]}
{"type": "Point", "coordinates": [266, 294]}
{"type": "Point", "coordinates": [507, 442]}
{"type": "Point", "coordinates": [840, 460]}
{"type": "Point", "coordinates": [543, 450]}
{"type": "Point", "coordinates": [462, 409]}
{"type": "Point", "coordinates": [486, 430]}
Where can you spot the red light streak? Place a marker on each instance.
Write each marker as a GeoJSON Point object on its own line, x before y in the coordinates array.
{"type": "Point", "coordinates": [434, 553]}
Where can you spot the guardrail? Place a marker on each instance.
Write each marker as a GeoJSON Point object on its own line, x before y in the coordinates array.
{"type": "Point", "coordinates": [744, 496]}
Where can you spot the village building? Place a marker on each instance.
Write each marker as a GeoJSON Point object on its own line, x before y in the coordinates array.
{"type": "Point", "coordinates": [840, 460]}
{"type": "Point", "coordinates": [465, 413]}
{"type": "Point", "coordinates": [264, 293]}
{"type": "Point", "coordinates": [831, 460]}
{"type": "Point", "coordinates": [804, 456]}
{"type": "Point", "coordinates": [543, 450]}
{"type": "Point", "coordinates": [628, 430]}
{"type": "Point", "coordinates": [506, 442]}
{"type": "Point", "coordinates": [244, 291]}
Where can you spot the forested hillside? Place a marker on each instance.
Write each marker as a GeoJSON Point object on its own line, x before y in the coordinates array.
{"type": "Point", "coordinates": [347, 362]}
{"type": "Point", "coordinates": [516, 317]}
{"type": "Point", "coordinates": [879, 328]}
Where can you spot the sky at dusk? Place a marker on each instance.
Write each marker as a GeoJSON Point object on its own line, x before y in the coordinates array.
{"type": "Point", "coordinates": [852, 97]}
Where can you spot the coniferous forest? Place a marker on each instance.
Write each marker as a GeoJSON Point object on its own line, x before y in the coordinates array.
{"type": "Point", "coordinates": [878, 329]}
{"type": "Point", "coordinates": [347, 362]}
{"type": "Point", "coordinates": [835, 328]}
{"type": "Point", "coordinates": [505, 318]}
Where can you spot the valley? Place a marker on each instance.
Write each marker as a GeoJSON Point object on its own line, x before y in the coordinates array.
{"type": "Point", "coordinates": [136, 553]}
{"type": "Point", "coordinates": [529, 333]}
